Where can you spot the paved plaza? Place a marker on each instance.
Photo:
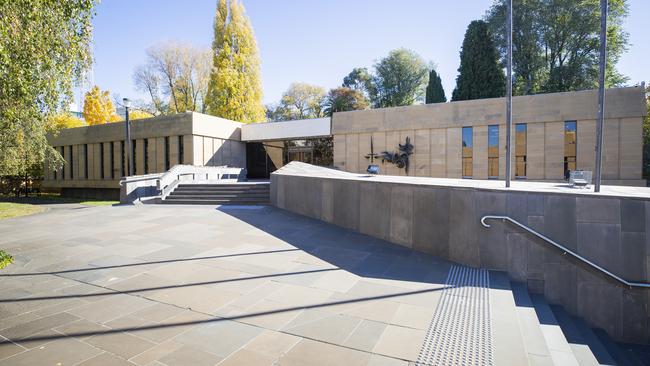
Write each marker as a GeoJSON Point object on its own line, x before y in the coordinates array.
{"type": "Point", "coordinates": [206, 285]}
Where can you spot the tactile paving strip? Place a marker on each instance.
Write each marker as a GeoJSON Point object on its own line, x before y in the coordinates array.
{"type": "Point", "coordinates": [460, 331]}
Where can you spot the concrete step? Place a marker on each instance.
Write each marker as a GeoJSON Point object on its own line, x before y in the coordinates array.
{"type": "Point", "coordinates": [220, 189]}
{"type": "Point", "coordinates": [224, 195]}
{"type": "Point", "coordinates": [507, 340]}
{"type": "Point", "coordinates": [558, 346]}
{"type": "Point", "coordinates": [620, 356]}
{"type": "Point", "coordinates": [214, 202]}
{"type": "Point", "coordinates": [577, 342]}
{"type": "Point", "coordinates": [226, 186]}
{"type": "Point", "coordinates": [531, 331]}
{"type": "Point", "coordinates": [596, 346]}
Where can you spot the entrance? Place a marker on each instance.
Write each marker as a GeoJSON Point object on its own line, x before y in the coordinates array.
{"type": "Point", "coordinates": [259, 162]}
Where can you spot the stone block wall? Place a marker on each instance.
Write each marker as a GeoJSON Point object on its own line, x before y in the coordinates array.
{"type": "Point", "coordinates": [445, 221]}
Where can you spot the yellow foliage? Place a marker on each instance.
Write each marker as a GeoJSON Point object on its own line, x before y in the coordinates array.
{"type": "Point", "coordinates": [235, 88]}
{"type": "Point", "coordinates": [65, 120]}
{"type": "Point", "coordinates": [98, 107]}
{"type": "Point", "coordinates": [134, 114]}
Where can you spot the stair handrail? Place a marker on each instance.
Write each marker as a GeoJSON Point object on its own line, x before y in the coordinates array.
{"type": "Point", "coordinates": [564, 249]}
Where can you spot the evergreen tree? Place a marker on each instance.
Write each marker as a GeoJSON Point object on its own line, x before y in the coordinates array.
{"type": "Point", "coordinates": [235, 88]}
{"type": "Point", "coordinates": [435, 92]}
{"type": "Point", "coordinates": [480, 73]}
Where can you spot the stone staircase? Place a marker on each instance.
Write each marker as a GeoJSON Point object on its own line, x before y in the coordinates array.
{"type": "Point", "coordinates": [545, 334]}
{"type": "Point", "coordinates": [241, 193]}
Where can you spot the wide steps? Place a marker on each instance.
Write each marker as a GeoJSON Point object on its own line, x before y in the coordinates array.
{"type": "Point", "coordinates": [220, 194]}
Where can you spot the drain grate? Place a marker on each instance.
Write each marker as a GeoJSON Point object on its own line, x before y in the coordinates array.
{"type": "Point", "coordinates": [460, 332]}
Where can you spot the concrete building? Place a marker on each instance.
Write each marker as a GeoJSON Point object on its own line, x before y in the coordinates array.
{"type": "Point", "coordinates": [553, 133]}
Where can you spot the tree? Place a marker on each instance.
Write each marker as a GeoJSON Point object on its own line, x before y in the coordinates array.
{"type": "Point", "coordinates": [646, 137]}
{"type": "Point", "coordinates": [65, 120]}
{"type": "Point", "coordinates": [344, 99]}
{"type": "Point", "coordinates": [44, 48]}
{"type": "Point", "coordinates": [480, 75]}
{"type": "Point", "coordinates": [399, 79]}
{"type": "Point", "coordinates": [175, 77]}
{"type": "Point", "coordinates": [435, 92]}
{"type": "Point", "coordinates": [98, 107]}
{"type": "Point", "coordinates": [302, 101]}
{"type": "Point", "coordinates": [360, 80]}
{"type": "Point", "coordinates": [138, 114]}
{"type": "Point", "coordinates": [556, 43]}
{"type": "Point", "coordinates": [234, 88]}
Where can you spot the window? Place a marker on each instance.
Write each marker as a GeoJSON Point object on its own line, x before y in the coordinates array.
{"type": "Point", "coordinates": [71, 163]}
{"type": "Point", "coordinates": [468, 143]}
{"type": "Point", "coordinates": [146, 156]}
{"type": "Point", "coordinates": [570, 140]}
{"type": "Point", "coordinates": [493, 151]}
{"type": "Point", "coordinates": [122, 159]}
{"type": "Point", "coordinates": [520, 150]}
{"type": "Point", "coordinates": [63, 167]}
{"type": "Point", "coordinates": [133, 157]}
{"type": "Point", "coordinates": [180, 150]}
{"type": "Point", "coordinates": [166, 152]}
{"type": "Point", "coordinates": [111, 158]}
{"type": "Point", "coordinates": [86, 161]}
{"type": "Point", "coordinates": [101, 160]}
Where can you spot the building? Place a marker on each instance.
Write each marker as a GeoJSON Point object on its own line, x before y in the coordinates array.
{"type": "Point", "coordinates": [552, 133]}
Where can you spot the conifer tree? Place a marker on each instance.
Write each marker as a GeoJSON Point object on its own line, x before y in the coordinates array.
{"type": "Point", "coordinates": [234, 89]}
{"type": "Point", "coordinates": [435, 92]}
{"type": "Point", "coordinates": [480, 74]}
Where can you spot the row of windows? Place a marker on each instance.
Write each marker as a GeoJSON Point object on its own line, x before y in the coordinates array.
{"type": "Point", "coordinates": [111, 158]}
{"type": "Point", "coordinates": [521, 136]}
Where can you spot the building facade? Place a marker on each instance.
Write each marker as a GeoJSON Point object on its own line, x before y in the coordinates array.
{"type": "Point", "coordinates": [552, 133]}
{"type": "Point", "coordinates": [96, 159]}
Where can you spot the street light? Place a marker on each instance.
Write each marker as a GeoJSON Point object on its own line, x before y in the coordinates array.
{"type": "Point", "coordinates": [127, 104]}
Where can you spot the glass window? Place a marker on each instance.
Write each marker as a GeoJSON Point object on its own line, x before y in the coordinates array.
{"type": "Point", "coordinates": [180, 150]}
{"type": "Point", "coordinates": [71, 162]}
{"type": "Point", "coordinates": [468, 144]}
{"type": "Point", "coordinates": [134, 157]}
{"type": "Point", "coordinates": [570, 140]}
{"type": "Point", "coordinates": [493, 151]}
{"type": "Point", "coordinates": [166, 152]}
{"type": "Point", "coordinates": [122, 159]}
{"type": "Point", "coordinates": [520, 150]}
{"type": "Point", "coordinates": [146, 156]}
{"type": "Point", "coordinates": [101, 160]}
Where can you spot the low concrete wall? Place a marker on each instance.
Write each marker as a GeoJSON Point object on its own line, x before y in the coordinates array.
{"type": "Point", "coordinates": [445, 221]}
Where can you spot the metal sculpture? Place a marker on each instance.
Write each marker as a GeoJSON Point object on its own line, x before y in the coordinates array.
{"type": "Point", "coordinates": [399, 158]}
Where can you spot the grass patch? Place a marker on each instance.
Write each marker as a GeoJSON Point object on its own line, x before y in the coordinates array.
{"type": "Point", "coordinates": [53, 198]}
{"type": "Point", "coordinates": [12, 209]}
{"type": "Point", "coordinates": [5, 259]}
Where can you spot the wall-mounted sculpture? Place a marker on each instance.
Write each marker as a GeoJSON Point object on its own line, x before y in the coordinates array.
{"type": "Point", "coordinates": [399, 158]}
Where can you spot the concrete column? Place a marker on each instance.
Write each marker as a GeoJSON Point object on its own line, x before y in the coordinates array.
{"type": "Point", "coordinates": [160, 155]}
{"type": "Point", "coordinates": [421, 164]}
{"type": "Point", "coordinates": [480, 152]}
{"type": "Point", "coordinates": [438, 152]}
{"type": "Point", "coordinates": [631, 148]}
{"type": "Point", "coordinates": [454, 153]}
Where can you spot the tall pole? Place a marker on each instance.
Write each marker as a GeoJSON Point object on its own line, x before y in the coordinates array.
{"type": "Point", "coordinates": [128, 142]}
{"type": "Point", "coordinates": [509, 95]}
{"type": "Point", "coordinates": [601, 94]}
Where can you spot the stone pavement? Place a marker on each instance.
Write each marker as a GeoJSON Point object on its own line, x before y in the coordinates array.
{"type": "Point", "coordinates": [205, 285]}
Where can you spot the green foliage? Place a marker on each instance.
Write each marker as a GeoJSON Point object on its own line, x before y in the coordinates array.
{"type": "Point", "coordinates": [10, 209]}
{"type": "Point", "coordinates": [344, 99]}
{"type": "Point", "coordinates": [301, 101]}
{"type": "Point", "coordinates": [43, 49]}
{"type": "Point", "coordinates": [360, 80]}
{"type": "Point", "coordinates": [556, 43]}
{"type": "Point", "coordinates": [480, 75]}
{"type": "Point", "coordinates": [5, 259]}
{"type": "Point", "coordinates": [435, 92]}
{"type": "Point", "coordinates": [646, 137]}
{"type": "Point", "coordinates": [399, 79]}
{"type": "Point", "coordinates": [234, 88]}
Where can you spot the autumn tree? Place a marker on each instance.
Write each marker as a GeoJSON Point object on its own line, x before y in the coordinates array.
{"type": "Point", "coordinates": [435, 93]}
{"type": "Point", "coordinates": [344, 99]}
{"type": "Point", "coordinates": [302, 101]}
{"type": "Point", "coordinates": [98, 107]}
{"type": "Point", "coordinates": [65, 120]}
{"type": "Point", "coordinates": [480, 74]}
{"type": "Point", "coordinates": [175, 77]}
{"type": "Point", "coordinates": [44, 48]}
{"type": "Point", "coordinates": [235, 88]}
{"type": "Point", "coordinates": [359, 79]}
{"type": "Point", "coordinates": [556, 43]}
{"type": "Point", "coordinates": [399, 79]}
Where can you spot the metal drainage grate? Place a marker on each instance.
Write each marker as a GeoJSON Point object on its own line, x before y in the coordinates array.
{"type": "Point", "coordinates": [460, 331]}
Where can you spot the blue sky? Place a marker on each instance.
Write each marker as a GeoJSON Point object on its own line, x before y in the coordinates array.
{"type": "Point", "coordinates": [317, 42]}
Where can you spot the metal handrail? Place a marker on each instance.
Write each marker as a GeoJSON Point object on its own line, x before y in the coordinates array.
{"type": "Point", "coordinates": [565, 250]}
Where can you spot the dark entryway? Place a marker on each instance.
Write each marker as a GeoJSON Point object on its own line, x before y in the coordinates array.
{"type": "Point", "coordinates": [259, 164]}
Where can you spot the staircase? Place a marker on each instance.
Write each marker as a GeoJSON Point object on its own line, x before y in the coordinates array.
{"type": "Point", "coordinates": [527, 330]}
{"type": "Point", "coordinates": [242, 193]}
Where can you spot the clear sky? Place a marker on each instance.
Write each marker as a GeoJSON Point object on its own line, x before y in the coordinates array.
{"type": "Point", "coordinates": [313, 41]}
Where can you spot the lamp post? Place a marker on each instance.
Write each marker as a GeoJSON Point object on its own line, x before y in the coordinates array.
{"type": "Point", "coordinates": [509, 94]}
{"type": "Point", "coordinates": [127, 125]}
{"type": "Point", "coordinates": [601, 94]}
